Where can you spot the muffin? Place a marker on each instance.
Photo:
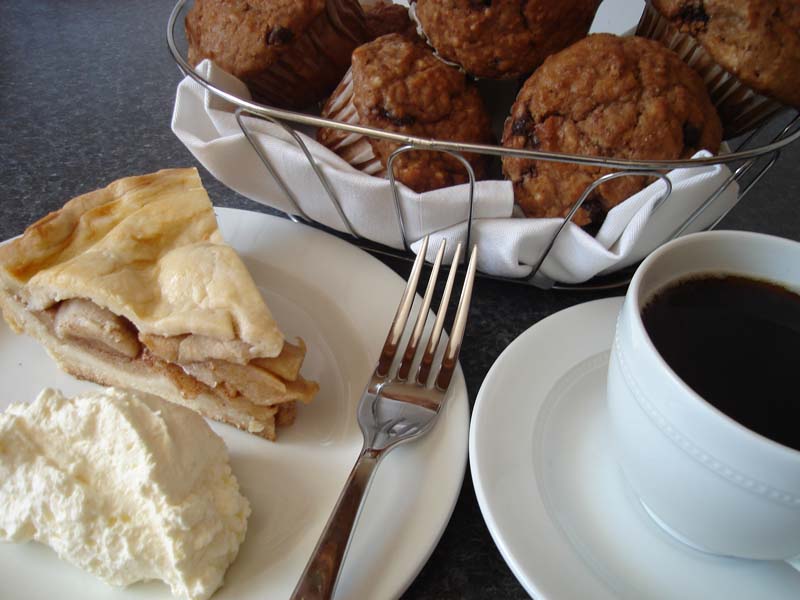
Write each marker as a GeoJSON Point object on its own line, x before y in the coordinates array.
{"type": "Point", "coordinates": [398, 85]}
{"type": "Point", "coordinates": [607, 96]}
{"type": "Point", "coordinates": [502, 39]}
{"type": "Point", "coordinates": [289, 54]}
{"type": "Point", "coordinates": [748, 52]}
{"type": "Point", "coordinates": [385, 17]}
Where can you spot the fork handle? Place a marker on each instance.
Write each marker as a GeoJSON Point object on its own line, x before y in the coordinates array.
{"type": "Point", "coordinates": [322, 571]}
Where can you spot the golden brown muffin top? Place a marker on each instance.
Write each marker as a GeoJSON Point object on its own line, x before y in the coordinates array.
{"type": "Point", "coordinates": [399, 86]}
{"type": "Point", "coordinates": [503, 39]}
{"type": "Point", "coordinates": [246, 36]}
{"type": "Point", "coordinates": [756, 40]}
{"type": "Point", "coordinates": [604, 96]}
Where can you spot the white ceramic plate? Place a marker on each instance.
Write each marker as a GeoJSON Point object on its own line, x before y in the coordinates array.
{"type": "Point", "coordinates": [552, 494]}
{"type": "Point", "coordinates": [340, 300]}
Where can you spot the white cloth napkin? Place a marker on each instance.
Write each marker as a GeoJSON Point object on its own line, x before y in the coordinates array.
{"type": "Point", "coordinates": [509, 246]}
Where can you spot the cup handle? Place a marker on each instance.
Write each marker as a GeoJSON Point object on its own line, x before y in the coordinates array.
{"type": "Point", "coordinates": [794, 562]}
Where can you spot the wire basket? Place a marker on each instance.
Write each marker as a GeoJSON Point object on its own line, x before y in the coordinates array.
{"type": "Point", "coordinates": [750, 159]}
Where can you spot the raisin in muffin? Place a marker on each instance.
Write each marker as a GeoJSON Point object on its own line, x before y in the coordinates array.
{"type": "Point", "coordinates": [748, 52]}
{"type": "Point", "coordinates": [289, 53]}
{"type": "Point", "coordinates": [396, 84]}
{"type": "Point", "coordinates": [503, 39]}
{"type": "Point", "coordinates": [604, 96]}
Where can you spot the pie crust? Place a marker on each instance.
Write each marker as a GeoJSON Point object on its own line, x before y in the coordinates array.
{"type": "Point", "coordinates": [132, 285]}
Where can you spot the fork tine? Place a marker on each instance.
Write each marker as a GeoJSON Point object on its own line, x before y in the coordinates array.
{"type": "Point", "coordinates": [459, 324]}
{"type": "Point", "coordinates": [401, 316]}
{"type": "Point", "coordinates": [433, 341]}
{"type": "Point", "coordinates": [422, 317]}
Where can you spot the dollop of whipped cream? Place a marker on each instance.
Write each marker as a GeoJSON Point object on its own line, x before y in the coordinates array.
{"type": "Point", "coordinates": [124, 485]}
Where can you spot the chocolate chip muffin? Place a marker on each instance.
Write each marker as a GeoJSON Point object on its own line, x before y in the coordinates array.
{"type": "Point", "coordinates": [608, 96]}
{"type": "Point", "coordinates": [385, 17]}
{"type": "Point", "coordinates": [396, 84]}
{"type": "Point", "coordinates": [289, 53]}
{"type": "Point", "coordinates": [503, 39]}
{"type": "Point", "coordinates": [756, 40]}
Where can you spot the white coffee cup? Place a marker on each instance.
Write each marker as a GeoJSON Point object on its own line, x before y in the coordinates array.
{"type": "Point", "coordinates": [706, 479]}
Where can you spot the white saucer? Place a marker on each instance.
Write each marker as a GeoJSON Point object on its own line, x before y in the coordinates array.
{"type": "Point", "coordinates": [551, 492]}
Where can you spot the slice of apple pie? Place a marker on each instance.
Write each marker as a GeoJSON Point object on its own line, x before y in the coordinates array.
{"type": "Point", "coordinates": [132, 285]}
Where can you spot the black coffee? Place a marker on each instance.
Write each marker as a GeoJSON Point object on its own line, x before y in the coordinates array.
{"type": "Point", "coordinates": [736, 342]}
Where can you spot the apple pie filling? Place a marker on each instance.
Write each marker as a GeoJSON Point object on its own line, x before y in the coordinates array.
{"type": "Point", "coordinates": [195, 363]}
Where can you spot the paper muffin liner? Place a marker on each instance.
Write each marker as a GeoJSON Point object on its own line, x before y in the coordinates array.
{"type": "Point", "coordinates": [314, 63]}
{"type": "Point", "coordinates": [355, 148]}
{"type": "Point", "coordinates": [740, 107]}
{"type": "Point", "coordinates": [412, 13]}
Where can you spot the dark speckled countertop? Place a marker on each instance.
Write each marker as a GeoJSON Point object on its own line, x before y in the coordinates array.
{"type": "Point", "coordinates": [86, 93]}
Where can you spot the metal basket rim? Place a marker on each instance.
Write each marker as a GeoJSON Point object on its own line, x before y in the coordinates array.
{"type": "Point", "coordinates": [615, 279]}
{"type": "Point", "coordinates": [444, 145]}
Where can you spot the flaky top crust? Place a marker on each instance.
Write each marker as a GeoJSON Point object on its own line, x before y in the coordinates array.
{"type": "Point", "coordinates": [147, 248]}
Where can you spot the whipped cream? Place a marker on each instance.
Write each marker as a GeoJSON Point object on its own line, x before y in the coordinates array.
{"type": "Point", "coordinates": [124, 485]}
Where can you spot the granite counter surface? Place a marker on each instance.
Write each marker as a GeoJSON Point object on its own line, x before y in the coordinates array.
{"type": "Point", "coordinates": [86, 93]}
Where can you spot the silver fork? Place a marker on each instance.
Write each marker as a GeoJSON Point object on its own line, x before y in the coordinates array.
{"type": "Point", "coordinates": [392, 410]}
